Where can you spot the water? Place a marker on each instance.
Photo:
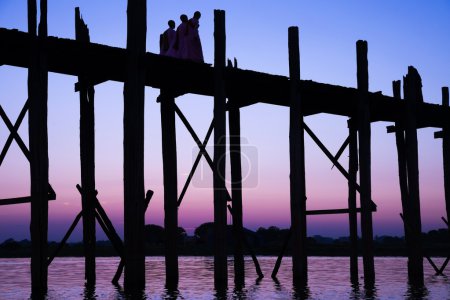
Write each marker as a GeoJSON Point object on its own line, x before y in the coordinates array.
{"type": "Point", "coordinates": [328, 279]}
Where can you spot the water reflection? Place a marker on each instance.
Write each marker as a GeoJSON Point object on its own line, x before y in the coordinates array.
{"type": "Point", "coordinates": [89, 292]}
{"type": "Point", "coordinates": [370, 291]}
{"type": "Point", "coordinates": [416, 292]}
{"type": "Point", "coordinates": [171, 292]}
{"type": "Point", "coordinates": [300, 292]}
{"type": "Point", "coordinates": [329, 278]}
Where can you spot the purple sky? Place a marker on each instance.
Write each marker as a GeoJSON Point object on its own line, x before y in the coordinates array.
{"type": "Point", "coordinates": [399, 34]}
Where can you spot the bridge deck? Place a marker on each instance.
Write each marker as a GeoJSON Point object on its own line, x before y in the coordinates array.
{"type": "Point", "coordinates": [102, 63]}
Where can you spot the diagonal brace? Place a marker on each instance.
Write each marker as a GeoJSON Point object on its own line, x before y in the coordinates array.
{"type": "Point", "coordinates": [199, 144]}
{"type": "Point", "coordinates": [13, 132]}
{"type": "Point", "coordinates": [334, 161]}
{"type": "Point", "coordinates": [196, 162]}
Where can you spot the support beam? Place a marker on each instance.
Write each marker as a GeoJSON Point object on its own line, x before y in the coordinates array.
{"type": "Point", "coordinates": [446, 154]}
{"type": "Point", "coordinates": [169, 155]}
{"type": "Point", "coordinates": [352, 215]}
{"type": "Point", "coordinates": [220, 201]}
{"type": "Point", "coordinates": [412, 85]}
{"type": "Point", "coordinates": [234, 122]}
{"type": "Point", "coordinates": [87, 158]}
{"type": "Point", "coordinates": [297, 165]}
{"type": "Point", "coordinates": [365, 162]}
{"type": "Point", "coordinates": [133, 146]}
{"type": "Point", "coordinates": [402, 168]}
{"type": "Point", "coordinates": [38, 142]}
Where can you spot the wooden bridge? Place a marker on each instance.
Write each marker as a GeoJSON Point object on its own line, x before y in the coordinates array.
{"type": "Point", "coordinates": [94, 64]}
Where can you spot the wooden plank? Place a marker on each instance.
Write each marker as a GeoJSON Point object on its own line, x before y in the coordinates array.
{"type": "Point", "coordinates": [412, 85]}
{"type": "Point", "coordinates": [365, 162]}
{"type": "Point", "coordinates": [220, 201]}
{"type": "Point", "coordinates": [109, 63]}
{"type": "Point", "coordinates": [169, 155]}
{"type": "Point", "coordinates": [234, 122]}
{"type": "Point", "coordinates": [352, 210]}
{"type": "Point", "coordinates": [297, 165]}
{"type": "Point", "coordinates": [38, 143]}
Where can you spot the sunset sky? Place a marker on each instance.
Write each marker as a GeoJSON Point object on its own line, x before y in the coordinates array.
{"type": "Point", "coordinates": [399, 34]}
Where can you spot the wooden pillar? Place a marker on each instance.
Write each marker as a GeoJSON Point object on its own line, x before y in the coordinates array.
{"type": "Point", "coordinates": [38, 143]}
{"type": "Point", "coordinates": [234, 120]}
{"type": "Point", "coordinates": [297, 165]}
{"type": "Point", "coordinates": [169, 155]}
{"type": "Point", "coordinates": [352, 216]}
{"type": "Point", "coordinates": [401, 156]}
{"type": "Point", "coordinates": [87, 158]}
{"type": "Point", "coordinates": [365, 162]}
{"type": "Point", "coordinates": [446, 154]}
{"type": "Point", "coordinates": [220, 201]}
{"type": "Point", "coordinates": [133, 146]}
{"type": "Point", "coordinates": [413, 95]}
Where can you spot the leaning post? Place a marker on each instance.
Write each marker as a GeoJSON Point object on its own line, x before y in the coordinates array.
{"type": "Point", "coordinates": [220, 201]}
{"type": "Point", "coordinates": [38, 143]}
{"type": "Point", "coordinates": [133, 146]}
{"type": "Point", "coordinates": [402, 168]}
{"type": "Point", "coordinates": [365, 162]}
{"type": "Point", "coordinates": [297, 164]}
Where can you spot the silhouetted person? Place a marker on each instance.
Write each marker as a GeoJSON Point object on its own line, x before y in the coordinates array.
{"type": "Point", "coordinates": [181, 38]}
{"type": "Point", "coordinates": [195, 51]}
{"type": "Point", "coordinates": [167, 40]}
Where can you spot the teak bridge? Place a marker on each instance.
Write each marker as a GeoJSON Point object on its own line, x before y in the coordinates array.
{"type": "Point", "coordinates": [94, 64]}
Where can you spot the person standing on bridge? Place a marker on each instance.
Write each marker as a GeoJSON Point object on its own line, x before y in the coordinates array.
{"type": "Point", "coordinates": [182, 37]}
{"type": "Point", "coordinates": [194, 44]}
{"type": "Point", "coordinates": [167, 40]}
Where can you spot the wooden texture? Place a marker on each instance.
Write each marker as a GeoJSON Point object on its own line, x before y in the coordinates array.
{"type": "Point", "coordinates": [220, 200]}
{"type": "Point", "coordinates": [133, 146]}
{"type": "Point", "coordinates": [297, 165]}
{"type": "Point", "coordinates": [413, 95]}
{"type": "Point", "coordinates": [169, 155]}
{"type": "Point", "coordinates": [38, 143]}
{"type": "Point", "coordinates": [365, 162]}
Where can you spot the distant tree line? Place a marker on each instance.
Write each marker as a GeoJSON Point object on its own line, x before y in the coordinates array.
{"type": "Point", "coordinates": [264, 241]}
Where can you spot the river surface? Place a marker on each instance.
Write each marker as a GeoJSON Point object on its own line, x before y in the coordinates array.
{"type": "Point", "coordinates": [328, 279]}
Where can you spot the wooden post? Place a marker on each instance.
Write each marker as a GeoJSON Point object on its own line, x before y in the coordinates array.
{"type": "Point", "coordinates": [297, 165]}
{"type": "Point", "coordinates": [133, 144]}
{"type": "Point", "coordinates": [401, 156]}
{"type": "Point", "coordinates": [365, 162]}
{"type": "Point", "coordinates": [234, 124]}
{"type": "Point", "coordinates": [352, 215]}
{"type": "Point", "coordinates": [38, 143]}
{"type": "Point", "coordinates": [220, 202]}
{"type": "Point", "coordinates": [446, 154]}
{"type": "Point", "coordinates": [169, 154]}
{"type": "Point", "coordinates": [413, 95]}
{"type": "Point", "coordinates": [87, 158]}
